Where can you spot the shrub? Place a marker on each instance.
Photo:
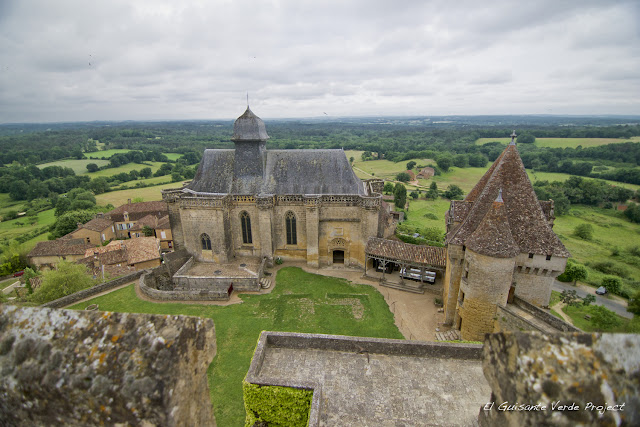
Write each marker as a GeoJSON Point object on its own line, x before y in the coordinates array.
{"type": "Point", "coordinates": [604, 318]}
{"type": "Point", "coordinates": [573, 272]}
{"type": "Point", "coordinates": [608, 267]}
{"type": "Point", "coordinates": [453, 192]}
{"type": "Point", "coordinates": [612, 284]}
{"type": "Point", "coordinates": [634, 303]}
{"type": "Point", "coordinates": [66, 279]}
{"type": "Point", "coordinates": [584, 231]}
{"type": "Point", "coordinates": [430, 215]}
{"type": "Point", "coordinates": [403, 177]}
{"type": "Point", "coordinates": [275, 405]}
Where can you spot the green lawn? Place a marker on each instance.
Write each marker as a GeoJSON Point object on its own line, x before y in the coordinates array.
{"type": "Point", "coordinates": [384, 168]}
{"type": "Point", "coordinates": [421, 207]}
{"type": "Point", "coordinates": [148, 194]}
{"type": "Point", "coordinates": [564, 142]}
{"type": "Point", "coordinates": [172, 156]}
{"type": "Point", "coordinates": [301, 302]}
{"type": "Point", "coordinates": [577, 317]}
{"type": "Point", "coordinates": [156, 180]}
{"type": "Point", "coordinates": [78, 166]}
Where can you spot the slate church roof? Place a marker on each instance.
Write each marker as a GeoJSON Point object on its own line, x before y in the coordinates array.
{"type": "Point", "coordinates": [522, 213]}
{"type": "Point", "coordinates": [280, 172]}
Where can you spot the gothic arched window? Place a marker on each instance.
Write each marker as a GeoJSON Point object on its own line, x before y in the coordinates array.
{"type": "Point", "coordinates": [290, 225]}
{"type": "Point", "coordinates": [245, 221]}
{"type": "Point", "coordinates": [206, 242]}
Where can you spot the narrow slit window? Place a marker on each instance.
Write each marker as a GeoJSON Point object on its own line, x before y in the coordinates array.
{"type": "Point", "coordinates": [206, 242]}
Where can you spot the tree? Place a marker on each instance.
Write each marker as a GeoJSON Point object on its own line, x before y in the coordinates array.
{"type": "Point", "coordinates": [351, 159]}
{"type": "Point", "coordinates": [526, 138]}
{"type": "Point", "coordinates": [453, 192]}
{"type": "Point", "coordinates": [145, 172]}
{"type": "Point", "coordinates": [388, 188]}
{"type": "Point", "coordinates": [403, 177]}
{"type": "Point", "coordinates": [400, 196]}
{"type": "Point", "coordinates": [478, 160]}
{"type": "Point", "coordinates": [68, 222]}
{"type": "Point", "coordinates": [148, 231]}
{"type": "Point", "coordinates": [433, 191]}
{"type": "Point", "coordinates": [92, 167]}
{"type": "Point", "coordinates": [444, 163]}
{"type": "Point", "coordinates": [411, 165]}
{"type": "Point", "coordinates": [66, 279]}
{"type": "Point", "coordinates": [588, 299]}
{"type": "Point", "coordinates": [634, 303]}
{"type": "Point", "coordinates": [612, 284]}
{"type": "Point", "coordinates": [461, 160]}
{"type": "Point", "coordinates": [570, 298]}
{"type": "Point", "coordinates": [603, 318]}
{"type": "Point", "coordinates": [584, 231]}
{"type": "Point", "coordinates": [414, 195]}
{"type": "Point", "coordinates": [575, 272]}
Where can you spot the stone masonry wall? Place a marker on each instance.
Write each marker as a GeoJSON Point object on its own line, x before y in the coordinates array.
{"type": "Point", "coordinates": [94, 290]}
{"type": "Point", "coordinates": [562, 379]}
{"type": "Point", "coordinates": [65, 367]}
{"type": "Point", "coordinates": [534, 277]}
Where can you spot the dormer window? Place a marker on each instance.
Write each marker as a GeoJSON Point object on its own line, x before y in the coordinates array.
{"type": "Point", "coordinates": [548, 257]}
{"type": "Point", "coordinates": [530, 255]}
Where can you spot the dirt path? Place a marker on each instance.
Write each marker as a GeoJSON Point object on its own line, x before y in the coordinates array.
{"type": "Point", "coordinates": [558, 308]}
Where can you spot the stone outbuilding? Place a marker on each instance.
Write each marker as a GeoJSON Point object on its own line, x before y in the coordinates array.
{"type": "Point", "coordinates": [46, 255]}
{"type": "Point", "coordinates": [97, 231]}
{"type": "Point", "coordinates": [500, 244]}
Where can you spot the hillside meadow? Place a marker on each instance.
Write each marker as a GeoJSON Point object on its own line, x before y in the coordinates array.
{"type": "Point", "coordinates": [564, 142]}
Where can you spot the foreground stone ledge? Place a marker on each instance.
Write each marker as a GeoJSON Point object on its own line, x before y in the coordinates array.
{"type": "Point", "coordinates": [571, 375]}
{"type": "Point", "coordinates": [65, 367]}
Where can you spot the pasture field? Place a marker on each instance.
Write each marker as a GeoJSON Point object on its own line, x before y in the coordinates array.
{"type": "Point", "coordinates": [109, 153]}
{"type": "Point", "coordinates": [148, 194]}
{"type": "Point", "coordinates": [78, 166]}
{"type": "Point", "coordinates": [564, 142]}
{"type": "Point", "coordinates": [156, 180]}
{"type": "Point", "coordinates": [8, 204]}
{"type": "Point", "coordinates": [300, 301]}
{"type": "Point", "coordinates": [106, 153]}
{"type": "Point", "coordinates": [126, 168]}
{"type": "Point", "coordinates": [19, 226]}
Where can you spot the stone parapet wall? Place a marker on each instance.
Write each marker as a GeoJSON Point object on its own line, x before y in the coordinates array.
{"type": "Point", "coordinates": [94, 290]}
{"type": "Point", "coordinates": [147, 285]}
{"type": "Point", "coordinates": [506, 320]}
{"type": "Point", "coordinates": [78, 368]}
{"type": "Point", "coordinates": [563, 379]}
{"type": "Point", "coordinates": [549, 318]}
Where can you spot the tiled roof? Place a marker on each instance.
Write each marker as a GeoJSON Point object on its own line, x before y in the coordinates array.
{"type": "Point", "coordinates": [527, 221]}
{"type": "Point", "coordinates": [131, 251]}
{"type": "Point", "coordinates": [493, 236]}
{"type": "Point", "coordinates": [60, 247]}
{"type": "Point", "coordinates": [426, 255]}
{"type": "Point", "coordinates": [142, 249]}
{"type": "Point", "coordinates": [459, 210]}
{"type": "Point", "coordinates": [137, 211]}
{"type": "Point", "coordinates": [164, 222]}
{"type": "Point", "coordinates": [98, 224]}
{"type": "Point", "coordinates": [150, 220]}
{"type": "Point", "coordinates": [116, 256]}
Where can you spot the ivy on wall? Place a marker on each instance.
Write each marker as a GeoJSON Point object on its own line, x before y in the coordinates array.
{"type": "Point", "coordinates": [275, 405]}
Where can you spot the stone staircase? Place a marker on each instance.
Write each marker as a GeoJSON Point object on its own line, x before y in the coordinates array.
{"type": "Point", "coordinates": [265, 283]}
{"type": "Point", "coordinates": [407, 285]}
{"type": "Point", "coordinates": [452, 335]}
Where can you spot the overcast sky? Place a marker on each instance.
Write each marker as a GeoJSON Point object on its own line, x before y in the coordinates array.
{"type": "Point", "coordinates": [135, 60]}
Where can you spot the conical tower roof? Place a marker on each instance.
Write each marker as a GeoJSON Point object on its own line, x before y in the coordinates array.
{"type": "Point", "coordinates": [527, 222]}
{"type": "Point", "coordinates": [249, 127]}
{"type": "Point", "coordinates": [493, 236]}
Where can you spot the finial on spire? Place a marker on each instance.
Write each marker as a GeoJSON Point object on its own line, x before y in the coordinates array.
{"type": "Point", "coordinates": [499, 198]}
{"type": "Point", "coordinates": [513, 137]}
{"type": "Point", "coordinates": [248, 101]}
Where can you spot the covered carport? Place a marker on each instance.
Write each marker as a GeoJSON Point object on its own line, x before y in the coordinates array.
{"type": "Point", "coordinates": [383, 252]}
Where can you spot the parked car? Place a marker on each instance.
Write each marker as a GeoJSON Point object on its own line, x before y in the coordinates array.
{"type": "Point", "coordinates": [18, 273]}
{"type": "Point", "coordinates": [601, 290]}
{"type": "Point", "coordinates": [415, 274]}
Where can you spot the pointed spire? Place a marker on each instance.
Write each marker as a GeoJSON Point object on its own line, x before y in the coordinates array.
{"type": "Point", "coordinates": [513, 138]}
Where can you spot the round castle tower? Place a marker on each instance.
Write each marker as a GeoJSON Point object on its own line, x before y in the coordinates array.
{"type": "Point", "coordinates": [487, 273]}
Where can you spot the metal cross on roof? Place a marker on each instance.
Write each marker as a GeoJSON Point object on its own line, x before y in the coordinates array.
{"type": "Point", "coordinates": [513, 137]}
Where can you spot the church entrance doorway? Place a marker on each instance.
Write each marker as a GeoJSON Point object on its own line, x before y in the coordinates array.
{"type": "Point", "coordinates": [338, 257]}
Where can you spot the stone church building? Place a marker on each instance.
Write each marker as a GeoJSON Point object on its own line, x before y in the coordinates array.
{"type": "Point", "coordinates": [500, 245]}
{"type": "Point", "coordinates": [253, 202]}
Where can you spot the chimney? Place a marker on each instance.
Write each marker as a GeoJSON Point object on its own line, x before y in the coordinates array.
{"type": "Point", "coordinates": [100, 215]}
{"type": "Point", "coordinates": [79, 225]}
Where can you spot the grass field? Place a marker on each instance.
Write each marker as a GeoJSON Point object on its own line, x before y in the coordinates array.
{"type": "Point", "coordinates": [12, 229]}
{"type": "Point", "coordinates": [7, 204]}
{"type": "Point", "coordinates": [148, 194]}
{"type": "Point", "coordinates": [577, 315]}
{"type": "Point", "coordinates": [126, 168]}
{"type": "Point", "coordinates": [564, 142]}
{"type": "Point", "coordinates": [78, 166]}
{"type": "Point", "coordinates": [156, 180]}
{"type": "Point", "coordinates": [109, 153]}
{"type": "Point", "coordinates": [300, 302]}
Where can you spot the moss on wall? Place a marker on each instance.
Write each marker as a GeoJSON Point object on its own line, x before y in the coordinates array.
{"type": "Point", "coordinates": [276, 406]}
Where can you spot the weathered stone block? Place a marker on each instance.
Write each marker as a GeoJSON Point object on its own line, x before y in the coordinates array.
{"type": "Point", "coordinates": [563, 380]}
{"type": "Point", "coordinates": [65, 367]}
